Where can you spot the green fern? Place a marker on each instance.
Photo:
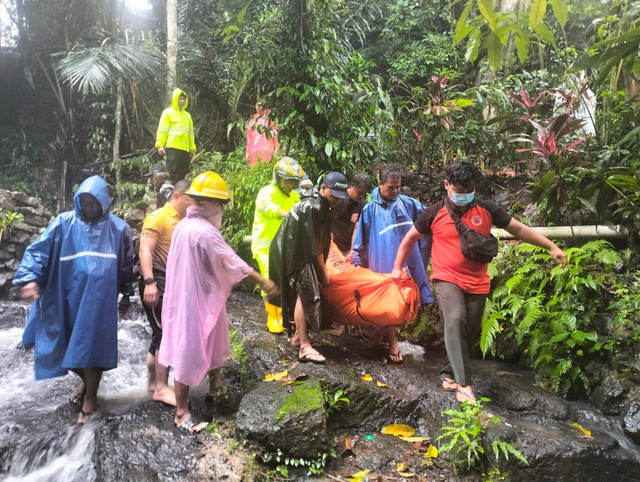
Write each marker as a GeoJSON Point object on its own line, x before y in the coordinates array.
{"type": "Point", "coordinates": [551, 314]}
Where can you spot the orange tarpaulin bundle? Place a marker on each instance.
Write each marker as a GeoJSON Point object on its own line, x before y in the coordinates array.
{"type": "Point", "coordinates": [362, 297]}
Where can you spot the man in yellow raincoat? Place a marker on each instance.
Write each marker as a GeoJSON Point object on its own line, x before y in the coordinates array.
{"type": "Point", "coordinates": [272, 205]}
{"type": "Point", "coordinates": [175, 137]}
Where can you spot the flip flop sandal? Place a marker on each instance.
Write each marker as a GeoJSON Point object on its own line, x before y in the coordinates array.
{"type": "Point", "coordinates": [86, 416]}
{"type": "Point", "coordinates": [470, 397]}
{"type": "Point", "coordinates": [312, 357]}
{"type": "Point", "coordinates": [449, 384]}
{"type": "Point", "coordinates": [191, 427]}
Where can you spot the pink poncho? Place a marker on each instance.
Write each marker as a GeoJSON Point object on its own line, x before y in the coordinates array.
{"type": "Point", "coordinates": [262, 139]}
{"type": "Point", "coordinates": [201, 271]}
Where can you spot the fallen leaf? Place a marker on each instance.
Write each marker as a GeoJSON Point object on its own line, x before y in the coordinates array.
{"type": "Point", "coordinates": [269, 377]}
{"type": "Point", "coordinates": [579, 427]}
{"type": "Point", "coordinates": [432, 452]}
{"type": "Point", "coordinates": [400, 469]}
{"type": "Point", "coordinates": [349, 443]}
{"type": "Point", "coordinates": [359, 476]}
{"type": "Point", "coordinates": [428, 462]}
{"type": "Point", "coordinates": [413, 439]}
{"type": "Point", "coordinates": [380, 384]}
{"type": "Point", "coordinates": [506, 373]}
{"type": "Point", "coordinates": [367, 377]}
{"type": "Point", "coordinates": [398, 429]}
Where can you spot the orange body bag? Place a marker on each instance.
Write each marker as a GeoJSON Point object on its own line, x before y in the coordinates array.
{"type": "Point", "coordinates": [358, 296]}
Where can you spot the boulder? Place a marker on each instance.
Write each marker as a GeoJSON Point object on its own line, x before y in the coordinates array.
{"type": "Point", "coordinates": [609, 397]}
{"type": "Point", "coordinates": [631, 418]}
{"type": "Point", "coordinates": [23, 199]}
{"type": "Point", "coordinates": [290, 417]}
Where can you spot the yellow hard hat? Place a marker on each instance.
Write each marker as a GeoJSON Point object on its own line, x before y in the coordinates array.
{"type": "Point", "coordinates": [209, 184]}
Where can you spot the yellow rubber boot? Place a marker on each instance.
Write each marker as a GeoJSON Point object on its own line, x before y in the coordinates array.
{"type": "Point", "coordinates": [274, 318]}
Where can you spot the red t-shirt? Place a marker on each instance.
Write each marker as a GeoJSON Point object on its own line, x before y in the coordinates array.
{"type": "Point", "coordinates": [447, 262]}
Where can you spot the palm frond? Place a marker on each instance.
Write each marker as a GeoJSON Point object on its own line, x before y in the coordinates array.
{"type": "Point", "coordinates": [94, 69]}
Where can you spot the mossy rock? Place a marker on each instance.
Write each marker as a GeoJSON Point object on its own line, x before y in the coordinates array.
{"type": "Point", "coordinates": [289, 417]}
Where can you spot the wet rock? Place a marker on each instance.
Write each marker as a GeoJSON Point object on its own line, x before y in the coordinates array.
{"type": "Point", "coordinates": [631, 418]}
{"type": "Point", "coordinates": [13, 315]}
{"type": "Point", "coordinates": [25, 200]}
{"type": "Point", "coordinates": [289, 417]}
{"type": "Point", "coordinates": [609, 397]}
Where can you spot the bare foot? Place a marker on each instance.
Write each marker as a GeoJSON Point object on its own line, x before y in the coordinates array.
{"type": "Point", "coordinates": [88, 407]}
{"type": "Point", "coordinates": [165, 395]}
{"type": "Point", "coordinates": [310, 354]}
{"type": "Point", "coordinates": [465, 394]}
{"type": "Point", "coordinates": [295, 340]}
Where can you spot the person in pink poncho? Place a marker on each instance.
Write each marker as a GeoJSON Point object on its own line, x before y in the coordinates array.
{"type": "Point", "coordinates": [262, 137]}
{"type": "Point", "coordinates": [201, 271]}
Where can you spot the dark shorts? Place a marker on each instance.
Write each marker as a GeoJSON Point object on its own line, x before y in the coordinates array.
{"type": "Point", "coordinates": [154, 315]}
{"type": "Point", "coordinates": [178, 162]}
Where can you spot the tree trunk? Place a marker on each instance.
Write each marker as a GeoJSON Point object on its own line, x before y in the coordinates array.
{"type": "Point", "coordinates": [172, 44]}
{"type": "Point", "coordinates": [118, 130]}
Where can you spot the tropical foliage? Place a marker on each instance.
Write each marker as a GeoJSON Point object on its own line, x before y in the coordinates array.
{"type": "Point", "coordinates": [550, 312]}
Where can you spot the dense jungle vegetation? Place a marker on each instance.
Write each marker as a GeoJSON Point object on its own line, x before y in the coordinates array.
{"type": "Point", "coordinates": [353, 84]}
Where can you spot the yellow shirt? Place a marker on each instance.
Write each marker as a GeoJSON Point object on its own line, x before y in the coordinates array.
{"type": "Point", "coordinates": [159, 226]}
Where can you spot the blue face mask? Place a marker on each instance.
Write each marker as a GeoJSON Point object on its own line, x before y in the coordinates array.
{"type": "Point", "coordinates": [462, 199]}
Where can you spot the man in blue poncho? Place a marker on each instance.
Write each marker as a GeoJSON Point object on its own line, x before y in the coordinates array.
{"type": "Point", "coordinates": [73, 272]}
{"type": "Point", "coordinates": [384, 221]}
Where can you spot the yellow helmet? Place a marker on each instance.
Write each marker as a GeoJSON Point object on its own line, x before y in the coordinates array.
{"type": "Point", "coordinates": [209, 184]}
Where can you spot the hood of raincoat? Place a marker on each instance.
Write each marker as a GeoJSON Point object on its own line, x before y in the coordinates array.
{"type": "Point", "coordinates": [97, 187]}
{"type": "Point", "coordinates": [175, 96]}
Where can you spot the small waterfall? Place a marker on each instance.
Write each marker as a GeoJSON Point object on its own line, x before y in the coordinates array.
{"type": "Point", "coordinates": [39, 438]}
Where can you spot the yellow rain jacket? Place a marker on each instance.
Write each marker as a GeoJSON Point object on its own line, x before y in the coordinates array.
{"type": "Point", "coordinates": [267, 220]}
{"type": "Point", "coordinates": [176, 127]}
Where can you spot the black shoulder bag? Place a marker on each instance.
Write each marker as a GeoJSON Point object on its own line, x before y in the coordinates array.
{"type": "Point", "coordinates": [473, 245]}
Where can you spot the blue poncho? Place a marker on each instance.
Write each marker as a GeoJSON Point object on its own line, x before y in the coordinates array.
{"type": "Point", "coordinates": [79, 267]}
{"type": "Point", "coordinates": [381, 229]}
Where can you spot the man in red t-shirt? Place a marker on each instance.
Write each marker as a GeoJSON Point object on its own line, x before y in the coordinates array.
{"type": "Point", "coordinates": [461, 285]}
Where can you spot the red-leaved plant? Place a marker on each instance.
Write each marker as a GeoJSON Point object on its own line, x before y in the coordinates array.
{"type": "Point", "coordinates": [546, 141]}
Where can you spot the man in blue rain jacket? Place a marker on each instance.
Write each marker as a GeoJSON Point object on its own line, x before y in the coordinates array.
{"type": "Point", "coordinates": [74, 272]}
{"type": "Point", "coordinates": [383, 223]}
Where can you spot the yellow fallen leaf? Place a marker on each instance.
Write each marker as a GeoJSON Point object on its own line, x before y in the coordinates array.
{"type": "Point", "coordinates": [579, 427]}
{"type": "Point", "coordinates": [428, 462]}
{"type": "Point", "coordinates": [367, 377]}
{"type": "Point", "coordinates": [380, 384]}
{"type": "Point", "coordinates": [399, 430]}
{"type": "Point", "coordinates": [269, 377]}
{"type": "Point", "coordinates": [359, 476]}
{"type": "Point", "coordinates": [432, 452]}
{"type": "Point", "coordinates": [400, 469]}
{"type": "Point", "coordinates": [414, 439]}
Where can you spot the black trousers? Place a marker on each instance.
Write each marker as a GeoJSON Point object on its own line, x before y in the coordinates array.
{"type": "Point", "coordinates": [178, 162]}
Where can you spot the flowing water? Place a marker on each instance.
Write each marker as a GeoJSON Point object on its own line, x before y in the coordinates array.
{"type": "Point", "coordinates": [39, 438]}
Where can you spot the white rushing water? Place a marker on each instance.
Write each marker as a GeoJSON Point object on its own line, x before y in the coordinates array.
{"type": "Point", "coordinates": [62, 454]}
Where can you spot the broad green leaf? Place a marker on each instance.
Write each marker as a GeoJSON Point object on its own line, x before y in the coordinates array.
{"type": "Point", "coordinates": [486, 9]}
{"type": "Point", "coordinates": [522, 48]}
{"type": "Point", "coordinates": [462, 28]}
{"type": "Point", "coordinates": [242, 14]}
{"type": "Point", "coordinates": [328, 149]}
{"type": "Point", "coordinates": [546, 35]}
{"type": "Point", "coordinates": [473, 46]}
{"type": "Point", "coordinates": [536, 13]}
{"type": "Point", "coordinates": [494, 50]}
{"type": "Point", "coordinates": [560, 11]}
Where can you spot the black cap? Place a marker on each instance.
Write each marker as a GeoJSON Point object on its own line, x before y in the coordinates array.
{"type": "Point", "coordinates": [337, 184]}
{"type": "Point", "coordinates": [155, 169]}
